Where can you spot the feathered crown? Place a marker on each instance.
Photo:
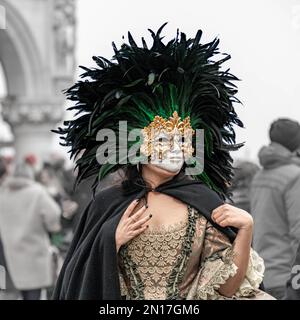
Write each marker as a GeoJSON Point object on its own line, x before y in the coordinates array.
{"type": "Point", "coordinates": [141, 83]}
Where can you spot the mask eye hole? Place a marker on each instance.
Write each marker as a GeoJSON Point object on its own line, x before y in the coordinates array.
{"type": "Point", "coordinates": [163, 139]}
{"type": "Point", "coordinates": [181, 140]}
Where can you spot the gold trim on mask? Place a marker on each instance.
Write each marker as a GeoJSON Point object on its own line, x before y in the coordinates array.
{"type": "Point", "coordinates": [169, 126]}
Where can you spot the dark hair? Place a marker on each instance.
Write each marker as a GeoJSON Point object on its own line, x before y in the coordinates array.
{"type": "Point", "coordinates": [133, 179]}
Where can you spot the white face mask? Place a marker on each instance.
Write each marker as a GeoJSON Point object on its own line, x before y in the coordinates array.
{"type": "Point", "coordinates": [168, 142]}
{"type": "Point", "coordinates": [167, 152]}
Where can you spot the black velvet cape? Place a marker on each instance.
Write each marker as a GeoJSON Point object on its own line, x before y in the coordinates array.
{"type": "Point", "coordinates": [90, 269]}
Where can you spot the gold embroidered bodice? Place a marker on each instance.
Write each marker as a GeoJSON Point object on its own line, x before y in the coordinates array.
{"type": "Point", "coordinates": [155, 253]}
{"type": "Point", "coordinates": [149, 260]}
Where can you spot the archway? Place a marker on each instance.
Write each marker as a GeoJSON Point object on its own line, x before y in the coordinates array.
{"type": "Point", "coordinates": [34, 75]}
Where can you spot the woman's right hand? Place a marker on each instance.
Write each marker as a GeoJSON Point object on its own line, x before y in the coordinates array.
{"type": "Point", "coordinates": [131, 225]}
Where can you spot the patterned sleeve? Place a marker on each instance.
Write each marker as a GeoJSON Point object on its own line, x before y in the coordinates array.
{"type": "Point", "coordinates": [217, 266]}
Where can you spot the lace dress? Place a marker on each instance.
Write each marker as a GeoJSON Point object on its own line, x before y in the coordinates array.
{"type": "Point", "coordinates": [187, 260]}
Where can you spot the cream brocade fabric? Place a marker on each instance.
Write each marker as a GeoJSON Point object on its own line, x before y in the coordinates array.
{"type": "Point", "coordinates": [187, 260]}
{"type": "Point", "coordinates": [155, 253]}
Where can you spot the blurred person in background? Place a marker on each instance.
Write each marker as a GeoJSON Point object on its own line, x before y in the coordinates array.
{"type": "Point", "coordinates": [275, 204]}
{"type": "Point", "coordinates": [31, 160]}
{"type": "Point", "coordinates": [53, 184]}
{"type": "Point", "coordinates": [52, 179]}
{"type": "Point", "coordinates": [28, 215]}
{"type": "Point", "coordinates": [7, 289]}
{"type": "Point", "coordinates": [244, 172]}
{"type": "Point", "coordinates": [7, 158]}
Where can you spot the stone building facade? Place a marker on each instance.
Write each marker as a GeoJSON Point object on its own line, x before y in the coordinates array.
{"type": "Point", "coordinates": [37, 53]}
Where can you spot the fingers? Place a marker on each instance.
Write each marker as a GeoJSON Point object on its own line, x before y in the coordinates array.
{"type": "Point", "coordinates": [219, 217]}
{"type": "Point", "coordinates": [220, 211]}
{"type": "Point", "coordinates": [216, 213]}
{"type": "Point", "coordinates": [130, 208]}
{"type": "Point", "coordinates": [222, 215]}
{"type": "Point", "coordinates": [139, 230]}
{"type": "Point", "coordinates": [223, 222]}
{"type": "Point", "coordinates": [136, 215]}
{"type": "Point", "coordinates": [140, 222]}
{"type": "Point", "coordinates": [222, 218]}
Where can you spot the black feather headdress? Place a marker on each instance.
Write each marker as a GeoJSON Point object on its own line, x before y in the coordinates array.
{"type": "Point", "coordinates": [139, 83]}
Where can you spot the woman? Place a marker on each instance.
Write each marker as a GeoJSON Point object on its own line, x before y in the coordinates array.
{"type": "Point", "coordinates": [164, 232]}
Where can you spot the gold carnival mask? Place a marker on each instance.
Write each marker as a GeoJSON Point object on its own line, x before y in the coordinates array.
{"type": "Point", "coordinates": [165, 136]}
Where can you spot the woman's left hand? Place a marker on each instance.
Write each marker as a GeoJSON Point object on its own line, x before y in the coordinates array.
{"type": "Point", "coordinates": [227, 215]}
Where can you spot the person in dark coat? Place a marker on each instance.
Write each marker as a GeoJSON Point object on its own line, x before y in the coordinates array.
{"type": "Point", "coordinates": [293, 284]}
{"type": "Point", "coordinates": [275, 204]}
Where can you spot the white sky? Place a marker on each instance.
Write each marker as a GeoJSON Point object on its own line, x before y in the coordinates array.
{"type": "Point", "coordinates": [263, 38]}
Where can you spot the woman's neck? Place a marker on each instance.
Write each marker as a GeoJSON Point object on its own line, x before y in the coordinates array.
{"type": "Point", "coordinates": [153, 178]}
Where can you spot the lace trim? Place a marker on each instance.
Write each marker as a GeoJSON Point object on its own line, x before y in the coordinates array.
{"type": "Point", "coordinates": [217, 275]}
{"type": "Point", "coordinates": [164, 229]}
{"type": "Point", "coordinates": [254, 276]}
{"type": "Point", "coordinates": [249, 286]}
